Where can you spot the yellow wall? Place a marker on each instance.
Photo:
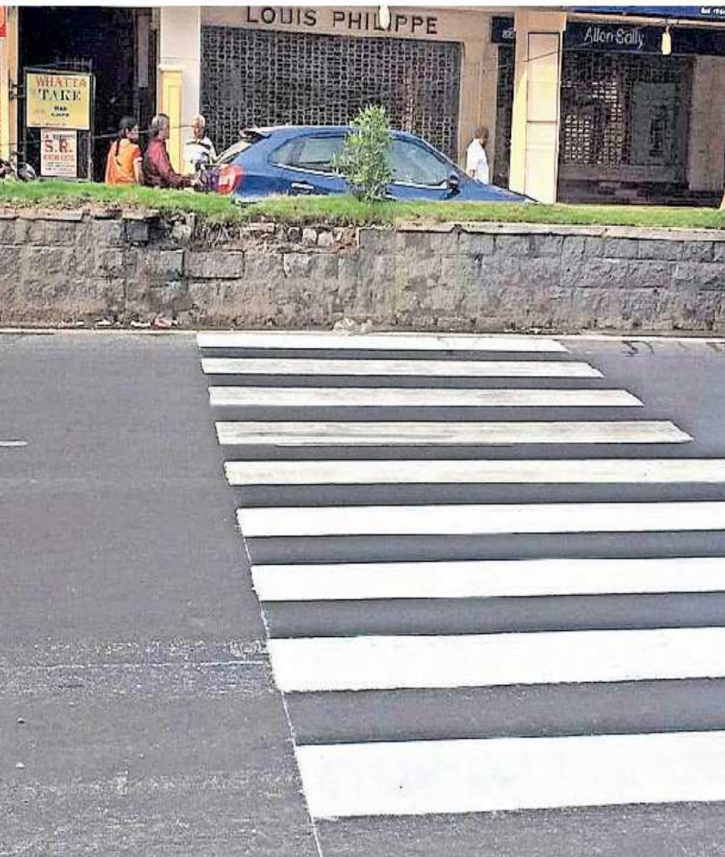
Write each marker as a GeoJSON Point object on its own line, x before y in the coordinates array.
{"type": "Point", "coordinates": [8, 75]}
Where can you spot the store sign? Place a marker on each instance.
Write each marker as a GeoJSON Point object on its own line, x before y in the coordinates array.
{"type": "Point", "coordinates": [619, 38]}
{"type": "Point", "coordinates": [58, 100]}
{"type": "Point", "coordinates": [3, 22]}
{"type": "Point", "coordinates": [613, 37]}
{"type": "Point", "coordinates": [344, 20]}
{"type": "Point", "coordinates": [59, 153]}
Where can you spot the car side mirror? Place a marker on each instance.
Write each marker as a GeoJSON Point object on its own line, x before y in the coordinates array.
{"type": "Point", "coordinates": [454, 183]}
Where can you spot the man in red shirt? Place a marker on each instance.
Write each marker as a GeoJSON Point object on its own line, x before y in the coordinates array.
{"type": "Point", "coordinates": [157, 169]}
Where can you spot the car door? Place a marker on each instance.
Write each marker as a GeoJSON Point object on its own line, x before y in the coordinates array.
{"type": "Point", "coordinates": [306, 165]}
{"type": "Point", "coordinates": [419, 172]}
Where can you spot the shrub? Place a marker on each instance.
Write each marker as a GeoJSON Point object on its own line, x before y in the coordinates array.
{"type": "Point", "coordinates": [364, 155]}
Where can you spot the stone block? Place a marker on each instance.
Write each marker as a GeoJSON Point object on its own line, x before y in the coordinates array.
{"type": "Point", "coordinates": [620, 248]}
{"type": "Point", "coordinates": [427, 244]}
{"type": "Point", "coordinates": [113, 262]}
{"type": "Point", "coordinates": [702, 276]}
{"type": "Point", "coordinates": [297, 264]}
{"type": "Point", "coordinates": [325, 239]}
{"type": "Point", "coordinates": [718, 252]}
{"type": "Point", "coordinates": [595, 273]}
{"type": "Point", "coordinates": [137, 231]}
{"type": "Point", "coordinates": [593, 247]}
{"type": "Point", "coordinates": [664, 250]}
{"type": "Point", "coordinates": [650, 274]}
{"type": "Point", "coordinates": [108, 233]}
{"type": "Point", "coordinates": [218, 264]}
{"type": "Point", "coordinates": [12, 231]}
{"type": "Point", "coordinates": [47, 265]}
{"type": "Point", "coordinates": [698, 251]}
{"type": "Point", "coordinates": [513, 245]}
{"type": "Point", "coordinates": [51, 233]}
{"type": "Point", "coordinates": [547, 245]}
{"type": "Point", "coordinates": [475, 244]}
{"type": "Point", "coordinates": [574, 247]}
{"type": "Point", "coordinates": [161, 265]}
{"type": "Point", "coordinates": [309, 235]}
{"type": "Point", "coordinates": [376, 240]}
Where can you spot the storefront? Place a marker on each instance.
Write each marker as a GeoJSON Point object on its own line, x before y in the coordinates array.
{"type": "Point", "coordinates": [635, 124]}
{"type": "Point", "coordinates": [581, 105]}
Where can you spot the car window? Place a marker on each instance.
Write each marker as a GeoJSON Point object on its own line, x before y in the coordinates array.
{"type": "Point", "coordinates": [412, 164]}
{"type": "Point", "coordinates": [318, 153]}
{"type": "Point", "coordinates": [284, 156]}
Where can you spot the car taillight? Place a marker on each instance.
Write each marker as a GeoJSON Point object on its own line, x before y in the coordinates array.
{"type": "Point", "coordinates": [230, 177]}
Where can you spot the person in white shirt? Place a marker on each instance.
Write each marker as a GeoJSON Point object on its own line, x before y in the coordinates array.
{"type": "Point", "coordinates": [199, 148]}
{"type": "Point", "coordinates": [476, 160]}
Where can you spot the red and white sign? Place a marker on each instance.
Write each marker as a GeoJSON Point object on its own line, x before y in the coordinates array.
{"type": "Point", "coordinates": [59, 153]}
{"type": "Point", "coordinates": [3, 22]}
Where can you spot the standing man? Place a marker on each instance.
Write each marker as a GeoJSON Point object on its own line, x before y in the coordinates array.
{"type": "Point", "coordinates": [476, 160]}
{"type": "Point", "coordinates": [199, 149]}
{"type": "Point", "coordinates": [157, 169]}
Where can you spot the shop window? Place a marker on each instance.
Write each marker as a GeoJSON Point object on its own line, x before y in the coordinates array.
{"type": "Point", "coordinates": [624, 116]}
{"type": "Point", "coordinates": [257, 77]}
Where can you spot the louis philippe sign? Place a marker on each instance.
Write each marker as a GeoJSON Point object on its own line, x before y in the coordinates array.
{"type": "Point", "coordinates": [58, 100]}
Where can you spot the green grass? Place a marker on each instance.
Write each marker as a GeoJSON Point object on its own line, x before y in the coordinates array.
{"type": "Point", "coordinates": [349, 211]}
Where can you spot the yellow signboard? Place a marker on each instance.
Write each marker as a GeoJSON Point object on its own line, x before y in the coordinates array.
{"type": "Point", "coordinates": [58, 100]}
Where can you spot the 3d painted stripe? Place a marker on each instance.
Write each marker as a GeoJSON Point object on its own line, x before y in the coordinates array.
{"type": "Point", "coordinates": [379, 341]}
{"type": "Point", "coordinates": [310, 433]}
{"type": "Point", "coordinates": [490, 660]}
{"type": "Point", "coordinates": [481, 519]}
{"type": "Point", "coordinates": [430, 368]}
{"type": "Point", "coordinates": [366, 397]}
{"type": "Point", "coordinates": [457, 471]}
{"type": "Point", "coordinates": [487, 579]}
{"type": "Point", "coordinates": [423, 777]}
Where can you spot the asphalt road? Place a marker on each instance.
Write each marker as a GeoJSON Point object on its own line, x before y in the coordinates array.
{"type": "Point", "coordinates": [138, 712]}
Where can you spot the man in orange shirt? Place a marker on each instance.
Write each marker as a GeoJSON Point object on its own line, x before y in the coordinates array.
{"type": "Point", "coordinates": [123, 166]}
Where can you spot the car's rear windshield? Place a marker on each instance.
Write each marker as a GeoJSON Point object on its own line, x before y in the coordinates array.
{"type": "Point", "coordinates": [248, 139]}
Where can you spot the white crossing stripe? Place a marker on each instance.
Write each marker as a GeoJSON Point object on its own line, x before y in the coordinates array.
{"type": "Point", "coordinates": [481, 519]}
{"type": "Point", "coordinates": [458, 471]}
{"type": "Point", "coordinates": [487, 578]}
{"type": "Point", "coordinates": [311, 433]}
{"type": "Point", "coordinates": [430, 368]}
{"type": "Point", "coordinates": [370, 397]}
{"type": "Point", "coordinates": [310, 664]}
{"type": "Point", "coordinates": [484, 775]}
{"type": "Point", "coordinates": [379, 341]}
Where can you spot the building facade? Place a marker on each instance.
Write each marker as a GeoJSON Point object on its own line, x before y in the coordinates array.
{"type": "Point", "coordinates": [581, 104]}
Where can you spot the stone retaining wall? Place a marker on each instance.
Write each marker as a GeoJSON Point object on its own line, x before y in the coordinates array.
{"type": "Point", "coordinates": [72, 267]}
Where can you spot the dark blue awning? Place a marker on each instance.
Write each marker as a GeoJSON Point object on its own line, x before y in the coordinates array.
{"type": "Point", "coordinates": [690, 13]}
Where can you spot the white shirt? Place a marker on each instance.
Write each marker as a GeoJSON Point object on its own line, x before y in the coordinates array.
{"type": "Point", "coordinates": [194, 152]}
{"type": "Point", "coordinates": [477, 162]}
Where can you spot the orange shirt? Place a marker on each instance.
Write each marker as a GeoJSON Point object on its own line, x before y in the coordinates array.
{"type": "Point", "coordinates": [119, 167]}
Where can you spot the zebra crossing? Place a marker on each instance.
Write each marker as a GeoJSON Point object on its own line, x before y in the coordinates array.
{"type": "Point", "coordinates": [423, 531]}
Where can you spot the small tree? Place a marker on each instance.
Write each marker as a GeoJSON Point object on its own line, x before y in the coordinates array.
{"type": "Point", "coordinates": [364, 156]}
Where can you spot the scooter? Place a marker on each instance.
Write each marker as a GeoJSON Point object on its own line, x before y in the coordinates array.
{"type": "Point", "coordinates": [16, 170]}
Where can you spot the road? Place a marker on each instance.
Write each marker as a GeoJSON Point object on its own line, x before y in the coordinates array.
{"type": "Point", "coordinates": [492, 600]}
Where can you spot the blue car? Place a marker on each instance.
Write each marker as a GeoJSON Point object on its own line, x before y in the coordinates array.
{"type": "Point", "coordinates": [298, 161]}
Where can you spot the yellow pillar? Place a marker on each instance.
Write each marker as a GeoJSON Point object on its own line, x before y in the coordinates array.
{"type": "Point", "coordinates": [535, 120]}
{"type": "Point", "coordinates": [171, 102]}
{"type": "Point", "coordinates": [8, 76]}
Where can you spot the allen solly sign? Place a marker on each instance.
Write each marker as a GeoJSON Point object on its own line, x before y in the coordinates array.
{"type": "Point", "coordinates": [3, 22]}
